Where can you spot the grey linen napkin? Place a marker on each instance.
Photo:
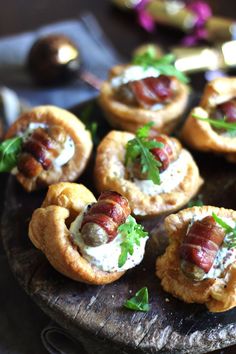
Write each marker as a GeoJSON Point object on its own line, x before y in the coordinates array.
{"type": "Point", "coordinates": [57, 341]}
{"type": "Point", "coordinates": [97, 55]}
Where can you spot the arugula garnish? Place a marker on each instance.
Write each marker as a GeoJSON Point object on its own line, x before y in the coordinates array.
{"type": "Point", "coordinates": [132, 233]}
{"type": "Point", "coordinates": [9, 152]}
{"type": "Point", "coordinates": [220, 124]}
{"type": "Point", "coordinates": [90, 125]}
{"type": "Point", "coordinates": [195, 202]}
{"type": "Point", "coordinates": [140, 147]}
{"type": "Point", "coordinates": [164, 64]}
{"type": "Point", "coordinates": [139, 302]}
{"type": "Point", "coordinates": [230, 238]}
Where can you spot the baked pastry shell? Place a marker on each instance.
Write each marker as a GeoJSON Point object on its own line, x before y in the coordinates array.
{"type": "Point", "coordinates": [124, 117]}
{"type": "Point", "coordinates": [52, 115]}
{"type": "Point", "coordinates": [110, 175]}
{"type": "Point", "coordinates": [199, 134]}
{"type": "Point", "coordinates": [48, 231]}
{"type": "Point", "coordinates": [217, 294]}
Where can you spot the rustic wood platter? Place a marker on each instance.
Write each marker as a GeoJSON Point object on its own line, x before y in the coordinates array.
{"type": "Point", "coordinates": [94, 314]}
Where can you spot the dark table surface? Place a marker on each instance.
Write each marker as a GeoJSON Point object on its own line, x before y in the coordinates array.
{"type": "Point", "coordinates": [19, 316]}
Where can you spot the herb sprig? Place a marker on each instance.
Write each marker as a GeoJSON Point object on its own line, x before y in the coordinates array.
{"type": "Point", "coordinates": [230, 238]}
{"type": "Point", "coordinates": [219, 123]}
{"type": "Point", "coordinates": [196, 202]}
{"type": "Point", "coordinates": [139, 302]}
{"type": "Point", "coordinates": [164, 64]}
{"type": "Point", "coordinates": [140, 146]}
{"type": "Point", "coordinates": [9, 152]}
{"type": "Point", "coordinates": [90, 124]}
{"type": "Point", "coordinates": [132, 233]}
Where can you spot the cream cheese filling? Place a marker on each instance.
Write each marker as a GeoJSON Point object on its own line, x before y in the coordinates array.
{"type": "Point", "coordinates": [105, 257]}
{"type": "Point", "coordinates": [66, 154]}
{"type": "Point", "coordinates": [224, 257]}
{"type": "Point", "coordinates": [133, 73]}
{"type": "Point", "coordinates": [170, 178]}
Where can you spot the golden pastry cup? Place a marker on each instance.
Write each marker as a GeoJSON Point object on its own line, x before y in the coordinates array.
{"type": "Point", "coordinates": [217, 294]}
{"type": "Point", "coordinates": [199, 134]}
{"type": "Point", "coordinates": [129, 118]}
{"type": "Point", "coordinates": [49, 232]}
{"type": "Point", "coordinates": [110, 174]}
{"type": "Point", "coordinates": [52, 115]}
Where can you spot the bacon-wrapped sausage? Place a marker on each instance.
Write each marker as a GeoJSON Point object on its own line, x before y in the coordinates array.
{"type": "Point", "coordinates": [103, 218]}
{"type": "Point", "coordinates": [200, 247]}
{"type": "Point", "coordinates": [148, 91]}
{"type": "Point", "coordinates": [168, 153]}
{"type": "Point", "coordinates": [55, 146]}
{"type": "Point", "coordinates": [218, 289]}
{"type": "Point", "coordinates": [39, 150]}
{"type": "Point", "coordinates": [226, 110]}
{"type": "Point", "coordinates": [218, 102]}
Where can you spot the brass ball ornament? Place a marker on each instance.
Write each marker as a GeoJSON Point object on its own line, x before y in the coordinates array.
{"type": "Point", "coordinates": [53, 59]}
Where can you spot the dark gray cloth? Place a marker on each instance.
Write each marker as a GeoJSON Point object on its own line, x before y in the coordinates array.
{"type": "Point", "coordinates": [57, 341]}
{"type": "Point", "coordinates": [97, 55]}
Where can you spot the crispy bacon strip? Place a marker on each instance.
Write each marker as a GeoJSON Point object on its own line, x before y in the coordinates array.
{"type": "Point", "coordinates": [202, 243]}
{"type": "Point", "coordinates": [109, 212]}
{"type": "Point", "coordinates": [152, 90]}
{"type": "Point", "coordinates": [39, 150]}
{"type": "Point", "coordinates": [148, 91]}
{"type": "Point", "coordinates": [165, 155]}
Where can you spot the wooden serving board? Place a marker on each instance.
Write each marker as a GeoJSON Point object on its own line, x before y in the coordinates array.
{"type": "Point", "coordinates": [94, 314]}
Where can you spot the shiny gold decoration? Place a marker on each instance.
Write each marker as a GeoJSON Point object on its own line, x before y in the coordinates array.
{"type": "Point", "coordinates": [126, 4]}
{"type": "Point", "coordinates": [173, 13]}
{"type": "Point", "coordinates": [170, 13]}
{"type": "Point", "coordinates": [53, 59]}
{"type": "Point", "coordinates": [196, 59]}
{"type": "Point", "coordinates": [205, 58]}
{"type": "Point", "coordinates": [221, 29]}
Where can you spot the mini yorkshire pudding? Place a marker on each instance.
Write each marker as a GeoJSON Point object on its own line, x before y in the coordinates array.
{"type": "Point", "coordinates": [212, 125]}
{"type": "Point", "coordinates": [156, 191]}
{"type": "Point", "coordinates": [54, 146]}
{"type": "Point", "coordinates": [83, 238]}
{"type": "Point", "coordinates": [199, 264]}
{"type": "Point", "coordinates": [134, 96]}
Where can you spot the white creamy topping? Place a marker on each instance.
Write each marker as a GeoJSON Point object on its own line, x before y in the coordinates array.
{"type": "Point", "coordinates": [170, 178]}
{"type": "Point", "coordinates": [157, 106]}
{"type": "Point", "coordinates": [106, 256]}
{"type": "Point", "coordinates": [133, 73]}
{"type": "Point", "coordinates": [223, 259]}
{"type": "Point", "coordinates": [31, 128]}
{"type": "Point", "coordinates": [67, 152]}
{"type": "Point", "coordinates": [225, 256]}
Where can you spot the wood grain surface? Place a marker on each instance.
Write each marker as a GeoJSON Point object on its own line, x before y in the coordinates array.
{"type": "Point", "coordinates": [94, 314]}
